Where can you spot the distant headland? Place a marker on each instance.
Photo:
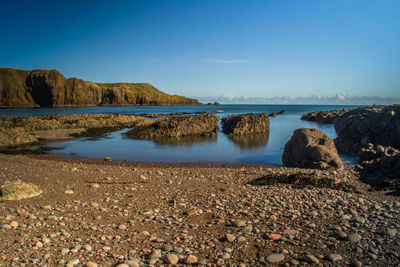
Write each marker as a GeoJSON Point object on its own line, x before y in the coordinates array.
{"type": "Point", "coordinates": [49, 88]}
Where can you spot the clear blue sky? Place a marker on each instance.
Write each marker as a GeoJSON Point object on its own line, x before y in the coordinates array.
{"type": "Point", "coordinates": [210, 48]}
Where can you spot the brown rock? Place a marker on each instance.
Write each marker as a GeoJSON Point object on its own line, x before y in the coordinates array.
{"type": "Point", "coordinates": [176, 127]}
{"type": "Point", "coordinates": [311, 148]}
{"type": "Point", "coordinates": [246, 124]}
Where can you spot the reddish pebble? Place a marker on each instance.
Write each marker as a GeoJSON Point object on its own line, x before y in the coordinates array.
{"type": "Point", "coordinates": [14, 224]}
{"type": "Point", "coordinates": [274, 236]}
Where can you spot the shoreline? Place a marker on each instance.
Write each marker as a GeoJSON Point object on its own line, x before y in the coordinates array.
{"type": "Point", "coordinates": [110, 213]}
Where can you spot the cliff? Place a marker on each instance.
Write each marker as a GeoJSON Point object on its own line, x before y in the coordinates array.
{"type": "Point", "coordinates": [49, 88]}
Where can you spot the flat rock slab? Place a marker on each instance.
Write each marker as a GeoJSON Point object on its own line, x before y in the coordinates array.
{"type": "Point", "coordinates": [177, 127]}
{"type": "Point", "coordinates": [18, 190]}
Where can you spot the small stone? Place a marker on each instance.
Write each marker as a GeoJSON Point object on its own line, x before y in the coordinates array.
{"type": "Point", "coordinates": [91, 264]}
{"type": "Point", "coordinates": [95, 185]}
{"type": "Point", "coordinates": [290, 232]}
{"type": "Point", "coordinates": [64, 251]}
{"type": "Point", "coordinates": [94, 204]}
{"type": "Point", "coordinates": [335, 257]}
{"type": "Point", "coordinates": [122, 265]}
{"type": "Point", "coordinates": [276, 257]}
{"type": "Point", "coordinates": [132, 263]}
{"type": "Point", "coordinates": [14, 224]}
{"type": "Point", "coordinates": [274, 237]}
{"type": "Point", "coordinates": [239, 223]}
{"type": "Point", "coordinates": [69, 191]}
{"type": "Point", "coordinates": [312, 259]}
{"type": "Point", "coordinates": [122, 227]}
{"type": "Point", "coordinates": [391, 232]}
{"type": "Point", "coordinates": [167, 247]}
{"type": "Point", "coordinates": [142, 177]}
{"type": "Point", "coordinates": [6, 227]}
{"type": "Point", "coordinates": [87, 247]}
{"type": "Point", "coordinates": [230, 237]}
{"type": "Point", "coordinates": [341, 235]}
{"type": "Point", "coordinates": [191, 212]}
{"type": "Point", "coordinates": [354, 238]}
{"type": "Point", "coordinates": [73, 262]}
{"type": "Point", "coordinates": [191, 259]}
{"type": "Point", "coordinates": [171, 259]}
{"type": "Point", "coordinates": [226, 256]}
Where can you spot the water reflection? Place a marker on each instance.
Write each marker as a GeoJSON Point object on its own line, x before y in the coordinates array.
{"type": "Point", "coordinates": [250, 141]}
{"type": "Point", "coordinates": [185, 140]}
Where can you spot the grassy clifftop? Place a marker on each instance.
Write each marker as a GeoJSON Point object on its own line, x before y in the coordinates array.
{"type": "Point", "coordinates": [49, 88]}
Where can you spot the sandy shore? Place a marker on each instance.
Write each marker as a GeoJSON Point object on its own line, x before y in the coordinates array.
{"type": "Point", "coordinates": [118, 213]}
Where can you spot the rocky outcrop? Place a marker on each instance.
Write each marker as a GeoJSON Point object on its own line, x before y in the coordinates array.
{"type": "Point", "coordinates": [49, 88]}
{"type": "Point", "coordinates": [274, 114]}
{"type": "Point", "coordinates": [176, 127]}
{"type": "Point", "coordinates": [325, 116]}
{"type": "Point", "coordinates": [380, 166]}
{"type": "Point", "coordinates": [19, 130]}
{"type": "Point", "coordinates": [376, 125]}
{"type": "Point", "coordinates": [246, 124]}
{"type": "Point", "coordinates": [311, 148]}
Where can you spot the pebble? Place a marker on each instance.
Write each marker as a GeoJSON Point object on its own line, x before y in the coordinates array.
{"type": "Point", "coordinates": [230, 238]}
{"type": "Point", "coordinates": [274, 237]}
{"type": "Point", "coordinates": [391, 232]}
{"type": "Point", "coordinates": [239, 223]}
{"type": "Point", "coordinates": [191, 259]}
{"type": "Point", "coordinates": [312, 259]}
{"type": "Point", "coordinates": [14, 224]}
{"type": "Point", "coordinates": [95, 185]}
{"type": "Point", "coordinates": [354, 238]}
{"type": "Point", "coordinates": [73, 262]}
{"type": "Point", "coordinates": [171, 259]}
{"type": "Point", "coordinates": [122, 227]}
{"type": "Point", "coordinates": [91, 264]}
{"type": "Point", "coordinates": [69, 191]}
{"type": "Point", "coordinates": [335, 257]}
{"type": "Point", "coordinates": [275, 258]}
{"type": "Point", "coordinates": [87, 247]}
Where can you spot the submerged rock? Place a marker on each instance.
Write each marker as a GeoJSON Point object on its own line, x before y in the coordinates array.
{"type": "Point", "coordinates": [177, 126]}
{"type": "Point", "coordinates": [17, 190]}
{"type": "Point", "coordinates": [246, 124]}
{"type": "Point", "coordinates": [311, 148]}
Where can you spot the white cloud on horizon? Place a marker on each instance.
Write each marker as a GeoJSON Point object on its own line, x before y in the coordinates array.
{"type": "Point", "coordinates": [340, 98]}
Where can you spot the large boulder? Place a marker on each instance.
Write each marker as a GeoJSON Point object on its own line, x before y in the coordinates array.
{"type": "Point", "coordinates": [311, 148]}
{"type": "Point", "coordinates": [376, 125]}
{"type": "Point", "coordinates": [177, 126]}
{"type": "Point", "coordinates": [246, 124]}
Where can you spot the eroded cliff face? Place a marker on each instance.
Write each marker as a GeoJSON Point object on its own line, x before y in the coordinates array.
{"type": "Point", "coordinates": [49, 88]}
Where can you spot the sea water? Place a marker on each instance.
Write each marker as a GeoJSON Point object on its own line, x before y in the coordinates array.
{"type": "Point", "coordinates": [258, 149]}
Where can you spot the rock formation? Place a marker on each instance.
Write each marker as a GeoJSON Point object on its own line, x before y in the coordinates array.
{"type": "Point", "coordinates": [246, 124]}
{"type": "Point", "coordinates": [311, 148]}
{"type": "Point", "coordinates": [49, 88]}
{"type": "Point", "coordinates": [325, 116]}
{"type": "Point", "coordinates": [176, 127]}
{"type": "Point", "coordinates": [20, 130]}
{"type": "Point", "coordinates": [360, 126]}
